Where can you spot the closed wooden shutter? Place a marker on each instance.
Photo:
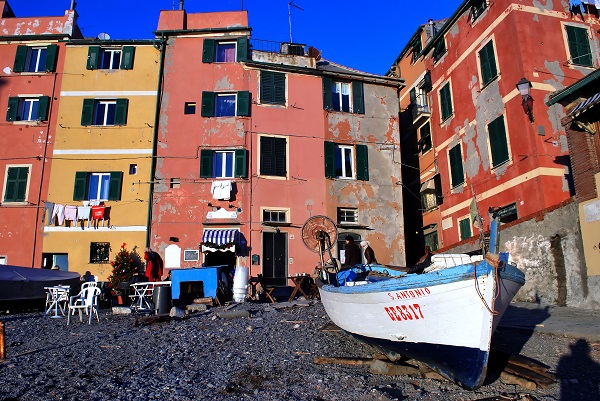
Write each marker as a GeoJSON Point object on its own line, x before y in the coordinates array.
{"type": "Point", "coordinates": [121, 111]}
{"type": "Point", "coordinates": [327, 93]}
{"type": "Point", "coordinates": [362, 163]}
{"type": "Point", "coordinates": [127, 55]}
{"type": "Point", "coordinates": [20, 59]}
{"type": "Point", "coordinates": [579, 46]}
{"type": "Point", "coordinates": [437, 180]}
{"type": "Point", "coordinates": [465, 228]}
{"type": "Point", "coordinates": [13, 109]}
{"type": "Point", "coordinates": [446, 102]}
{"type": "Point", "coordinates": [498, 141]}
{"type": "Point", "coordinates": [208, 51]}
{"type": "Point", "coordinates": [93, 57]}
{"type": "Point", "coordinates": [358, 97]}
{"type": "Point", "coordinates": [241, 163]}
{"type": "Point", "coordinates": [273, 156]}
{"type": "Point", "coordinates": [87, 112]}
{"type": "Point", "coordinates": [43, 106]}
{"type": "Point", "coordinates": [329, 152]}
{"type": "Point", "coordinates": [456, 166]}
{"type": "Point", "coordinates": [208, 104]}
{"type": "Point", "coordinates": [243, 104]}
{"type": "Point", "coordinates": [114, 188]}
{"type": "Point", "coordinates": [206, 163]}
{"type": "Point", "coordinates": [51, 55]}
{"type": "Point", "coordinates": [80, 185]}
{"type": "Point", "coordinates": [16, 184]}
{"type": "Point", "coordinates": [242, 49]}
{"type": "Point", "coordinates": [488, 63]}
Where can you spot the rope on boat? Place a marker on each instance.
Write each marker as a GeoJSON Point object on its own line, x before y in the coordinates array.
{"type": "Point", "coordinates": [494, 261]}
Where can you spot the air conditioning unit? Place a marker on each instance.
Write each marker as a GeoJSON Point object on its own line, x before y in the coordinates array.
{"type": "Point", "coordinates": [292, 48]}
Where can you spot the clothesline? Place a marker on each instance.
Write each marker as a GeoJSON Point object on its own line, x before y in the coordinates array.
{"type": "Point", "coordinates": [58, 214]}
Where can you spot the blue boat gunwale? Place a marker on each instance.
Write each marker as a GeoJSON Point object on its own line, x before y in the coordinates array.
{"type": "Point", "coordinates": [400, 280]}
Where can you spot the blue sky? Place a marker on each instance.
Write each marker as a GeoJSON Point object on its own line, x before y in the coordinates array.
{"type": "Point", "coordinates": [364, 35]}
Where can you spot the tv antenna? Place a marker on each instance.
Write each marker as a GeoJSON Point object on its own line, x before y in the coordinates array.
{"type": "Point", "coordinates": [290, 5]}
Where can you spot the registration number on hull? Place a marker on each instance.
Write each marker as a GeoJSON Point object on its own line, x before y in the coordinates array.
{"type": "Point", "coordinates": [399, 313]}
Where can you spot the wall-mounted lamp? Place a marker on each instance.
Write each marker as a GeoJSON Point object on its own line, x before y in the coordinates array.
{"type": "Point", "coordinates": [524, 87]}
{"type": "Point", "coordinates": [277, 230]}
{"type": "Point", "coordinates": [231, 206]}
{"type": "Point", "coordinates": [210, 204]}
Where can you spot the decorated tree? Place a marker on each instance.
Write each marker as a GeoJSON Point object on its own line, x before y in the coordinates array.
{"type": "Point", "coordinates": [123, 266]}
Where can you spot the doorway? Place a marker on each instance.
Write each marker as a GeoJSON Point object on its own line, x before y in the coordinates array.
{"type": "Point", "coordinates": [49, 260]}
{"type": "Point", "coordinates": [274, 268]}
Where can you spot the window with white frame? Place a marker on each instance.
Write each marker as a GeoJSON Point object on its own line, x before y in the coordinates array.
{"type": "Point", "coordinates": [36, 59]}
{"type": "Point", "coordinates": [344, 161]}
{"type": "Point", "coordinates": [27, 108]}
{"type": "Point", "coordinates": [110, 58]}
{"type": "Point", "coordinates": [225, 51]}
{"type": "Point", "coordinates": [343, 96]}
{"type": "Point", "coordinates": [215, 104]}
{"type": "Point", "coordinates": [347, 215]}
{"type": "Point", "coordinates": [223, 164]}
{"type": "Point", "coordinates": [191, 255]}
{"type": "Point", "coordinates": [104, 112]}
{"type": "Point", "coordinates": [225, 105]}
{"type": "Point", "coordinates": [99, 186]}
{"type": "Point", "coordinates": [16, 183]}
{"type": "Point", "coordinates": [274, 216]}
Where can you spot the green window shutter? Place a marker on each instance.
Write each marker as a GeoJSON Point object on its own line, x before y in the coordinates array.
{"type": "Point", "coordinates": [488, 63]}
{"type": "Point", "coordinates": [273, 159]}
{"type": "Point", "coordinates": [51, 55]}
{"type": "Point", "coordinates": [428, 85]}
{"type": "Point", "coordinates": [446, 102]}
{"type": "Point", "coordinates": [208, 103]}
{"type": "Point", "coordinates": [243, 104]}
{"type": "Point", "coordinates": [80, 185]}
{"type": "Point", "coordinates": [127, 54]}
{"type": "Point", "coordinates": [13, 109]}
{"type": "Point", "coordinates": [206, 163]}
{"type": "Point", "coordinates": [241, 163]}
{"type": "Point", "coordinates": [208, 51]}
{"type": "Point", "coordinates": [457, 176]}
{"type": "Point", "coordinates": [327, 93]}
{"type": "Point", "coordinates": [358, 97]}
{"type": "Point", "coordinates": [121, 111]}
{"type": "Point", "coordinates": [579, 46]}
{"type": "Point", "coordinates": [20, 59]}
{"type": "Point", "coordinates": [362, 163]}
{"type": "Point", "coordinates": [87, 113]}
{"type": "Point", "coordinates": [16, 184]}
{"type": "Point", "coordinates": [279, 88]}
{"type": "Point", "coordinates": [329, 159]}
{"type": "Point", "coordinates": [115, 184]}
{"type": "Point", "coordinates": [266, 87]}
{"type": "Point", "coordinates": [43, 108]}
{"type": "Point", "coordinates": [437, 181]}
{"type": "Point", "coordinates": [93, 57]}
{"type": "Point", "coordinates": [498, 142]}
{"type": "Point", "coordinates": [242, 49]}
{"type": "Point", "coordinates": [413, 96]}
{"type": "Point", "coordinates": [280, 156]}
{"type": "Point", "coordinates": [465, 228]}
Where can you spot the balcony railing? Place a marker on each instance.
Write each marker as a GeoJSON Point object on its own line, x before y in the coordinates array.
{"type": "Point", "coordinates": [420, 109]}
{"type": "Point", "coordinates": [269, 46]}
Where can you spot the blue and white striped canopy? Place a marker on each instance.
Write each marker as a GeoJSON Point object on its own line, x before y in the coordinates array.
{"type": "Point", "coordinates": [220, 237]}
{"type": "Point", "coordinates": [585, 105]}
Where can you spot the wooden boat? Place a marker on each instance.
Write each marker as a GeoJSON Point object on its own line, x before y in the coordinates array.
{"type": "Point", "coordinates": [444, 317]}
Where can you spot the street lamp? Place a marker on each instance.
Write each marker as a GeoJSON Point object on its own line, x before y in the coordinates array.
{"type": "Point", "coordinates": [524, 87]}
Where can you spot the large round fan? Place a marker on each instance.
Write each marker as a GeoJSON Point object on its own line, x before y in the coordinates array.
{"type": "Point", "coordinates": [319, 234]}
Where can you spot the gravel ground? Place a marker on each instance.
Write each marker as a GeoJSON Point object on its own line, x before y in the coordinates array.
{"type": "Point", "coordinates": [267, 356]}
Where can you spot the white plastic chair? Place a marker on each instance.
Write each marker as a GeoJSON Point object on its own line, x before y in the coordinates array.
{"type": "Point", "coordinates": [86, 300]}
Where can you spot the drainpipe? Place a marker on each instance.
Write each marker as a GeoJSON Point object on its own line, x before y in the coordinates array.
{"type": "Point", "coordinates": [39, 199]}
{"type": "Point", "coordinates": [163, 49]}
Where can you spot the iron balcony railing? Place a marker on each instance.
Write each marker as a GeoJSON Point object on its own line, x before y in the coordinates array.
{"type": "Point", "coordinates": [270, 46]}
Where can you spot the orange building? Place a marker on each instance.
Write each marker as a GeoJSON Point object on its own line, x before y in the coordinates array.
{"type": "Point", "coordinates": [255, 137]}
{"type": "Point", "coordinates": [31, 57]}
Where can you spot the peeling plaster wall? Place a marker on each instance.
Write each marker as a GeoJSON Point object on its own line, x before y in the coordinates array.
{"type": "Point", "coordinates": [549, 250]}
{"type": "Point", "coordinates": [378, 200]}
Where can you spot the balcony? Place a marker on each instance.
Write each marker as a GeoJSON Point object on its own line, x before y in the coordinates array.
{"type": "Point", "coordinates": [284, 53]}
{"type": "Point", "coordinates": [420, 110]}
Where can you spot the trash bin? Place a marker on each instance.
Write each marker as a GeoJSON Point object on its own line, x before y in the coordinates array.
{"type": "Point", "coordinates": [162, 299]}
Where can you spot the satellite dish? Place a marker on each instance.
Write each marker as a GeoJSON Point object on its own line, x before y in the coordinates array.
{"type": "Point", "coordinates": [103, 36]}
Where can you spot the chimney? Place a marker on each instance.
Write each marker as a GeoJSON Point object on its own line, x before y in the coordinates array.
{"type": "Point", "coordinates": [181, 4]}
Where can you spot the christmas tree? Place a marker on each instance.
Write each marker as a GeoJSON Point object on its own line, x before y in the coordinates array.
{"type": "Point", "coordinates": [123, 266]}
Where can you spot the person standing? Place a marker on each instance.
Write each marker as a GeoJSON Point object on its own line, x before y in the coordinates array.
{"type": "Point", "coordinates": [352, 252]}
{"type": "Point", "coordinates": [369, 253]}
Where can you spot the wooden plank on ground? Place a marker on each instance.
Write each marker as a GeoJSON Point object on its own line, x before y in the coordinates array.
{"type": "Point", "coordinates": [509, 378]}
{"type": "Point", "coordinates": [528, 374]}
{"type": "Point", "coordinates": [331, 360]}
{"type": "Point", "coordinates": [533, 365]}
{"type": "Point", "coordinates": [329, 327]}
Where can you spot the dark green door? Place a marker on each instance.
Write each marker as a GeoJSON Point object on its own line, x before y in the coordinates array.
{"type": "Point", "coordinates": [275, 259]}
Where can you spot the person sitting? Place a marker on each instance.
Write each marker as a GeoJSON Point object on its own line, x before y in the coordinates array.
{"type": "Point", "coordinates": [369, 253]}
{"type": "Point", "coordinates": [352, 253]}
{"type": "Point", "coordinates": [424, 262]}
{"type": "Point", "coordinates": [136, 277]}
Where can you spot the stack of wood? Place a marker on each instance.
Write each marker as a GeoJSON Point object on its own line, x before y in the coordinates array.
{"type": "Point", "coordinates": [527, 373]}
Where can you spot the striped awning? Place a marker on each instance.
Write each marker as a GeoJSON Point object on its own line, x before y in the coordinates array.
{"type": "Point", "coordinates": [220, 237]}
{"type": "Point", "coordinates": [585, 105]}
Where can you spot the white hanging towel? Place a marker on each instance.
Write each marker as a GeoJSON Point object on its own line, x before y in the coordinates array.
{"type": "Point", "coordinates": [215, 189]}
{"type": "Point", "coordinates": [225, 190]}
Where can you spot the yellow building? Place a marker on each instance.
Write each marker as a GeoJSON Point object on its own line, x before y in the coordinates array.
{"type": "Point", "coordinates": [102, 161]}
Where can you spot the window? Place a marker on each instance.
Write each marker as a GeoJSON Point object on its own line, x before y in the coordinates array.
{"type": "Point", "coordinates": [477, 8]}
{"type": "Point", "coordinates": [498, 141]}
{"type": "Point", "coordinates": [346, 161]}
{"type": "Point", "coordinates": [103, 112]}
{"type": "Point", "coordinates": [274, 216]}
{"type": "Point", "coordinates": [272, 87]}
{"type": "Point", "coordinates": [97, 186]}
{"type": "Point", "coordinates": [507, 213]}
{"type": "Point", "coordinates": [417, 46]}
{"type": "Point", "coordinates": [273, 156]}
{"type": "Point", "coordinates": [189, 108]}
{"type": "Point", "coordinates": [110, 58]}
{"type": "Point", "coordinates": [133, 169]}
{"type": "Point", "coordinates": [35, 59]}
{"type": "Point", "coordinates": [431, 193]}
{"type": "Point", "coordinates": [430, 237]}
{"type": "Point", "coordinates": [225, 104]}
{"type": "Point", "coordinates": [16, 184]}
{"type": "Point", "coordinates": [191, 255]}
{"type": "Point", "coordinates": [27, 109]}
{"type": "Point", "coordinates": [446, 102]}
{"type": "Point", "coordinates": [464, 228]}
{"type": "Point", "coordinates": [223, 163]}
{"type": "Point", "coordinates": [347, 215]}
{"type": "Point", "coordinates": [225, 51]}
{"type": "Point", "coordinates": [579, 46]}
{"type": "Point", "coordinates": [487, 63]}
{"type": "Point", "coordinates": [175, 183]}
{"type": "Point", "coordinates": [343, 96]}
{"type": "Point", "coordinates": [457, 176]}
{"type": "Point", "coordinates": [425, 140]}
{"type": "Point", "coordinates": [99, 252]}
{"type": "Point", "coordinates": [439, 49]}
